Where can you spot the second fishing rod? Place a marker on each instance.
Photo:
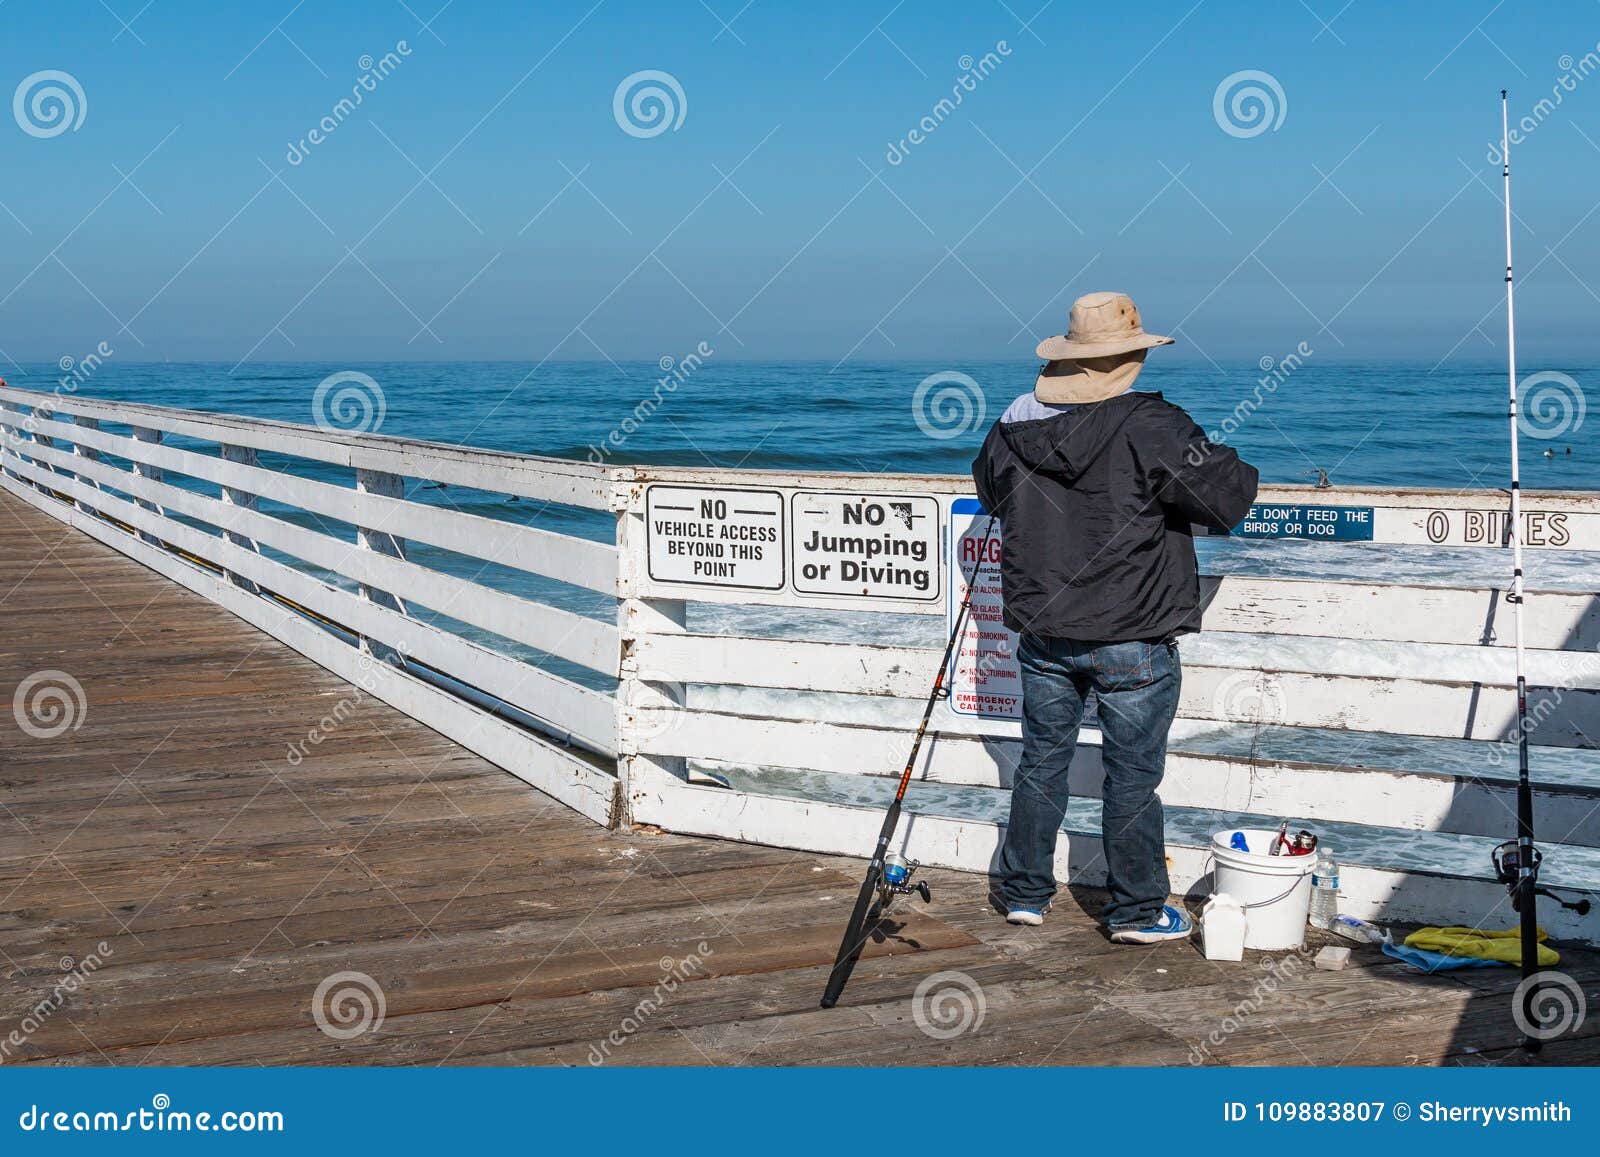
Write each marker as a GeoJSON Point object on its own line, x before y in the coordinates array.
{"type": "Point", "coordinates": [888, 875]}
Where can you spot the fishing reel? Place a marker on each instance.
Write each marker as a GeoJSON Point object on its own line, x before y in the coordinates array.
{"type": "Point", "coordinates": [897, 873]}
{"type": "Point", "coordinates": [1507, 859]}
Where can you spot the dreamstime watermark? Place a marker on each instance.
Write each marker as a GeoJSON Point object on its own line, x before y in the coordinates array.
{"type": "Point", "coordinates": [49, 703]}
{"type": "Point", "coordinates": [1573, 73]}
{"type": "Point", "coordinates": [48, 103]}
{"type": "Point", "coordinates": [348, 1004]}
{"type": "Point", "coordinates": [674, 373]}
{"type": "Point", "coordinates": [1274, 373]}
{"type": "Point", "coordinates": [161, 1117]}
{"type": "Point", "coordinates": [1557, 1003]}
{"type": "Point", "coordinates": [74, 372]}
{"type": "Point", "coordinates": [1249, 697]}
{"type": "Point", "coordinates": [948, 1004]}
{"type": "Point", "coordinates": [77, 973]}
{"type": "Point", "coordinates": [1542, 705]}
{"type": "Point", "coordinates": [373, 73]}
{"type": "Point", "coordinates": [1278, 972]}
{"type": "Point", "coordinates": [648, 103]}
{"type": "Point", "coordinates": [948, 404]}
{"type": "Point", "coordinates": [673, 973]}
{"type": "Point", "coordinates": [349, 402]}
{"type": "Point", "coordinates": [345, 708]}
{"type": "Point", "coordinates": [665, 713]}
{"type": "Point", "coordinates": [1550, 404]}
{"type": "Point", "coordinates": [1248, 103]}
{"type": "Point", "coordinates": [973, 73]}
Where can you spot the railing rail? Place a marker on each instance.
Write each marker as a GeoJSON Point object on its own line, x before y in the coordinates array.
{"type": "Point", "coordinates": [525, 475]}
{"type": "Point", "coordinates": [1379, 709]}
{"type": "Point", "coordinates": [621, 673]}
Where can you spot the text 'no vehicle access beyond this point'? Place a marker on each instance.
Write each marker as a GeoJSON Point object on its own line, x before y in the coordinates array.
{"type": "Point", "coordinates": [714, 536]}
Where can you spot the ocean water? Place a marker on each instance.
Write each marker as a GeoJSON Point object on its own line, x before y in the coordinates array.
{"type": "Point", "coordinates": [1388, 422]}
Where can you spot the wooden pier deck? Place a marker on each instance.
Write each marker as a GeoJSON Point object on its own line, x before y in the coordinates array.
{"type": "Point", "coordinates": [168, 835]}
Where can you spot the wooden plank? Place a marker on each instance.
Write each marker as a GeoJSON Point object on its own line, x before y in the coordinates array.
{"type": "Point", "coordinates": [1397, 797]}
{"type": "Point", "coordinates": [279, 998]}
{"type": "Point", "coordinates": [580, 561]}
{"type": "Point", "coordinates": [1553, 620]}
{"type": "Point", "coordinates": [1396, 516]}
{"type": "Point", "coordinates": [582, 640]}
{"type": "Point", "coordinates": [972, 845]}
{"type": "Point", "coordinates": [358, 918]}
{"type": "Point", "coordinates": [1023, 1022]}
{"type": "Point", "coordinates": [1336, 1018]}
{"type": "Point", "coordinates": [493, 1033]}
{"type": "Point", "coordinates": [580, 711]}
{"type": "Point", "coordinates": [560, 480]}
{"type": "Point", "coordinates": [1454, 619]}
{"type": "Point", "coordinates": [1397, 497]}
{"type": "Point", "coordinates": [906, 672]}
{"type": "Point", "coordinates": [1421, 704]}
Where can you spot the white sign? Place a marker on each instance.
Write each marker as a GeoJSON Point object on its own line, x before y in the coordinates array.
{"type": "Point", "coordinates": [985, 679]}
{"type": "Point", "coordinates": [1556, 529]}
{"type": "Point", "coordinates": [714, 536]}
{"type": "Point", "coordinates": [864, 545]}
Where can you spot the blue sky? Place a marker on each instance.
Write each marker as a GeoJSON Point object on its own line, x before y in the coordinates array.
{"type": "Point", "coordinates": [484, 202]}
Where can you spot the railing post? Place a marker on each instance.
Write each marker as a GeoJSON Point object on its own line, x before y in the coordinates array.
{"type": "Point", "coordinates": [233, 496]}
{"type": "Point", "coordinates": [153, 473]}
{"type": "Point", "coordinates": [382, 542]}
{"type": "Point", "coordinates": [12, 437]}
{"type": "Point", "coordinates": [88, 454]}
{"type": "Point", "coordinates": [40, 414]}
{"type": "Point", "coordinates": [638, 616]}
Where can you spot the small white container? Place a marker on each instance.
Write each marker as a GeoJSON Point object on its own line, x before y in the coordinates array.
{"type": "Point", "coordinates": [1222, 925]}
{"type": "Point", "coordinates": [1332, 958]}
{"type": "Point", "coordinates": [1275, 891]}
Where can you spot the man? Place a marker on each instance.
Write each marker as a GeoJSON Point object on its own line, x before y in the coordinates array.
{"type": "Point", "coordinates": [1096, 489]}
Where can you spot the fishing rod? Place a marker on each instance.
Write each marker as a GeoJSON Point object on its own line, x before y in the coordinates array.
{"type": "Point", "coordinates": [888, 874]}
{"type": "Point", "coordinates": [1517, 861]}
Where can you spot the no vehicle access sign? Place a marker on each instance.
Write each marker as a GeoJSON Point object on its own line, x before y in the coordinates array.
{"type": "Point", "coordinates": [714, 536]}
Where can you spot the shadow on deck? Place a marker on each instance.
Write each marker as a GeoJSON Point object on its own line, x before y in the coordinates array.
{"type": "Point", "coordinates": [226, 849]}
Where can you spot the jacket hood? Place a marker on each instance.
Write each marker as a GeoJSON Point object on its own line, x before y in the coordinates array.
{"type": "Point", "coordinates": [1065, 440]}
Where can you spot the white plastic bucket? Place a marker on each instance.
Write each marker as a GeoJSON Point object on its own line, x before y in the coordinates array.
{"type": "Point", "coordinates": [1274, 890]}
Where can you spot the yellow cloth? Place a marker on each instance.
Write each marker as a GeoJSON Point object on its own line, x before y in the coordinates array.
{"type": "Point", "coordinates": [1483, 944]}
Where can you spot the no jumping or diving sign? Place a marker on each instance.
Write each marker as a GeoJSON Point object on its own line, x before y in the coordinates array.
{"type": "Point", "coordinates": [864, 545]}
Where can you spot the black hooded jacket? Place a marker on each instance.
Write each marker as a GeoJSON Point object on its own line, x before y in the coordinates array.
{"type": "Point", "coordinates": [1095, 504]}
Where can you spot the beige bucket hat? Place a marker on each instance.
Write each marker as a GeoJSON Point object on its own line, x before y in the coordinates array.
{"type": "Point", "coordinates": [1101, 353]}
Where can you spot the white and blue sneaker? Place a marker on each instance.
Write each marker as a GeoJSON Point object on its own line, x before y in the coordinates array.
{"type": "Point", "coordinates": [1032, 917]}
{"type": "Point", "coordinates": [1171, 925]}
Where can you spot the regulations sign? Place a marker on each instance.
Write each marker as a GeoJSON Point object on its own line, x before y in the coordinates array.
{"type": "Point", "coordinates": [714, 536]}
{"type": "Point", "coordinates": [985, 679]}
{"type": "Point", "coordinates": [1321, 523]}
{"type": "Point", "coordinates": [882, 546]}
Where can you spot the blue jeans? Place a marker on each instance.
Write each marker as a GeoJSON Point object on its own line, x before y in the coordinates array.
{"type": "Point", "coordinates": [1135, 686]}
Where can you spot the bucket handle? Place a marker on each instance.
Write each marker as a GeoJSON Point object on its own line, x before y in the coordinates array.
{"type": "Point", "coordinates": [1211, 861]}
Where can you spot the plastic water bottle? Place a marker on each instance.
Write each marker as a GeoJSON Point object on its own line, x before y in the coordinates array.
{"type": "Point", "coordinates": [1361, 931]}
{"type": "Point", "coordinates": [1324, 891]}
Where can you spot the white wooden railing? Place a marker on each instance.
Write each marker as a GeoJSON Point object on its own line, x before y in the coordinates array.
{"type": "Point", "coordinates": [295, 580]}
{"type": "Point", "coordinates": [756, 694]}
